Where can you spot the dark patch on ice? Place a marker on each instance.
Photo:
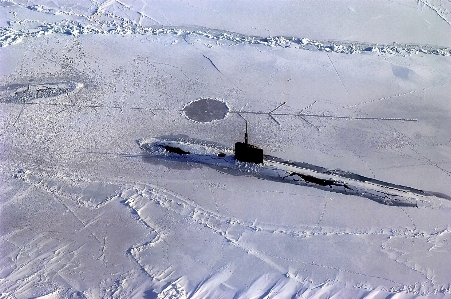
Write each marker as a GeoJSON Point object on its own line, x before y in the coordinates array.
{"type": "Point", "coordinates": [402, 72]}
{"type": "Point", "coordinates": [150, 295]}
{"type": "Point", "coordinates": [186, 138]}
{"type": "Point", "coordinates": [206, 110]}
{"type": "Point", "coordinates": [26, 92]}
{"type": "Point", "coordinates": [318, 181]}
{"type": "Point", "coordinates": [175, 150]}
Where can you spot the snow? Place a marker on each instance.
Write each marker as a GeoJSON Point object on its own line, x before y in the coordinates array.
{"type": "Point", "coordinates": [85, 213]}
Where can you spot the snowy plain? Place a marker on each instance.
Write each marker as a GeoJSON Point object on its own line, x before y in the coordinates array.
{"type": "Point", "coordinates": [85, 213]}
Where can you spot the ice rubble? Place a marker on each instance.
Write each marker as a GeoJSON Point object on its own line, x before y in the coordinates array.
{"type": "Point", "coordinates": [91, 23]}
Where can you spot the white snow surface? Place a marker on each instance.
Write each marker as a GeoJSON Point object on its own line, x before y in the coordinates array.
{"type": "Point", "coordinates": [85, 213]}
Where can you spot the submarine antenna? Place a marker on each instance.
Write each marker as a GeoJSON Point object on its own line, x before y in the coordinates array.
{"type": "Point", "coordinates": [245, 135]}
{"type": "Point", "coordinates": [246, 139]}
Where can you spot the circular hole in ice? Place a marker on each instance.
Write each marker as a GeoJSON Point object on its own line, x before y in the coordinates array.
{"type": "Point", "coordinates": [206, 110]}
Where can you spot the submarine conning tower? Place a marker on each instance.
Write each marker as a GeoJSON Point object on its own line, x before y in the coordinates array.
{"type": "Point", "coordinates": [246, 152]}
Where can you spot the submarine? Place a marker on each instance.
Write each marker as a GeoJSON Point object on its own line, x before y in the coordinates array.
{"type": "Point", "coordinates": [248, 159]}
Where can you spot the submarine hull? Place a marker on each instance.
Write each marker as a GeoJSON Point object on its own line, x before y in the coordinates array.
{"type": "Point", "coordinates": [285, 171]}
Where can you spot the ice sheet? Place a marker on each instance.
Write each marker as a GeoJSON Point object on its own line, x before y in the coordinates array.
{"type": "Point", "coordinates": [84, 213]}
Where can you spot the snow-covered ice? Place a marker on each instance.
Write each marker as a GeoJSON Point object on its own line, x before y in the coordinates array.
{"type": "Point", "coordinates": [87, 212]}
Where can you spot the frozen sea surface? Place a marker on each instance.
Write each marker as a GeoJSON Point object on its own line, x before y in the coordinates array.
{"type": "Point", "coordinates": [85, 213]}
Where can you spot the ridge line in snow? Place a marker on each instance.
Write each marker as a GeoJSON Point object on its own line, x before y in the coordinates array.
{"type": "Point", "coordinates": [10, 36]}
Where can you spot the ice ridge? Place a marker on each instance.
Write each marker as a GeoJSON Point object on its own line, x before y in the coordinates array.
{"type": "Point", "coordinates": [10, 36]}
